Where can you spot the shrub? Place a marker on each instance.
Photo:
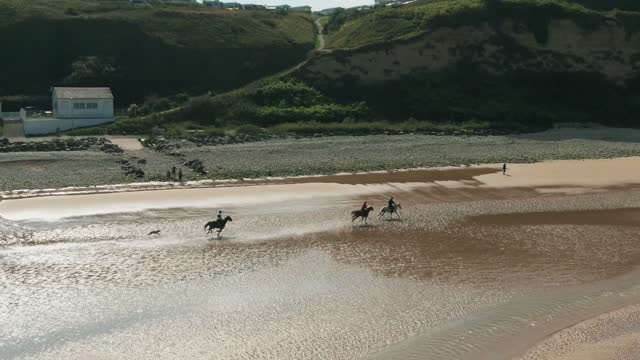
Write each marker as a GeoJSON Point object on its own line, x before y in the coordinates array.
{"type": "Point", "coordinates": [318, 113]}
{"type": "Point", "coordinates": [287, 93]}
{"type": "Point", "coordinates": [249, 129]}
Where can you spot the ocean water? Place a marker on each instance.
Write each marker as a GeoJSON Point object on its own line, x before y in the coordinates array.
{"type": "Point", "coordinates": [293, 278]}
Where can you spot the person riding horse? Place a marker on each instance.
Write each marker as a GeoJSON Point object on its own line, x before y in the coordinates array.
{"type": "Point", "coordinates": [392, 205]}
{"type": "Point", "coordinates": [219, 218]}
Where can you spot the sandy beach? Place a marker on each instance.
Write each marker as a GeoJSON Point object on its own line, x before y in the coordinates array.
{"type": "Point", "coordinates": [540, 263]}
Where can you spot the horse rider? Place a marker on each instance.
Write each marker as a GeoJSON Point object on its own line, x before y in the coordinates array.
{"type": "Point", "coordinates": [219, 218]}
{"type": "Point", "coordinates": [364, 207]}
{"type": "Point", "coordinates": [392, 205]}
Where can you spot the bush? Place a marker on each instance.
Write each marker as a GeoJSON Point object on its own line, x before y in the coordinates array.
{"type": "Point", "coordinates": [175, 132]}
{"type": "Point", "coordinates": [287, 93]}
{"type": "Point", "coordinates": [318, 113]}
{"type": "Point", "coordinates": [249, 130]}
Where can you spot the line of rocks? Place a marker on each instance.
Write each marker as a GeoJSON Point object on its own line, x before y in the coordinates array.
{"type": "Point", "coordinates": [162, 145]}
{"type": "Point", "coordinates": [171, 148]}
{"type": "Point", "coordinates": [52, 145]}
{"type": "Point", "coordinates": [66, 144]}
{"type": "Point", "coordinates": [129, 168]}
{"type": "Point", "coordinates": [229, 139]}
{"type": "Point", "coordinates": [197, 166]}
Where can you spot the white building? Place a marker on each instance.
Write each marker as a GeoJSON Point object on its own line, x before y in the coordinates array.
{"type": "Point", "coordinates": [82, 103]}
{"type": "Point", "coordinates": [73, 108]}
{"type": "Point", "coordinates": [330, 11]}
{"type": "Point", "coordinates": [306, 9]}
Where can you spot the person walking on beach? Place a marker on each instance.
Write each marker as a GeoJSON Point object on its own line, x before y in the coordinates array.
{"type": "Point", "coordinates": [504, 169]}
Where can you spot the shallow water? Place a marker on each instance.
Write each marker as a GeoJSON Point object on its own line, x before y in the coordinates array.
{"type": "Point", "coordinates": [293, 278]}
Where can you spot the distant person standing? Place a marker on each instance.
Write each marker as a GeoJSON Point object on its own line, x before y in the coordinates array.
{"type": "Point", "coordinates": [504, 169]}
{"type": "Point", "coordinates": [173, 171]}
{"type": "Point", "coordinates": [180, 175]}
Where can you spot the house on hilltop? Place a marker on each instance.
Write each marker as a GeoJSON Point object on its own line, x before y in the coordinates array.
{"type": "Point", "coordinates": [232, 6]}
{"type": "Point", "coordinates": [306, 9]}
{"type": "Point", "coordinates": [330, 11]}
{"type": "Point", "coordinates": [216, 4]}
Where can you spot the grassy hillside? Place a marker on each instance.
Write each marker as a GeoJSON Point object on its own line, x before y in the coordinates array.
{"type": "Point", "coordinates": [140, 51]}
{"type": "Point", "coordinates": [511, 85]}
{"type": "Point", "coordinates": [357, 28]}
{"type": "Point", "coordinates": [490, 79]}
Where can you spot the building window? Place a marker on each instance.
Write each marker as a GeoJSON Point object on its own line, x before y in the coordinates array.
{"type": "Point", "coordinates": [92, 106]}
{"type": "Point", "coordinates": [78, 106]}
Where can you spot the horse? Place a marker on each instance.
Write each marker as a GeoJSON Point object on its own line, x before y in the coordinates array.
{"type": "Point", "coordinates": [217, 224]}
{"type": "Point", "coordinates": [364, 214]}
{"type": "Point", "coordinates": [154, 232]}
{"type": "Point", "coordinates": [386, 210]}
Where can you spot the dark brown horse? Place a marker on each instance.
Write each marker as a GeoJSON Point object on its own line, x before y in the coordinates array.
{"type": "Point", "coordinates": [364, 214]}
{"type": "Point", "coordinates": [217, 224]}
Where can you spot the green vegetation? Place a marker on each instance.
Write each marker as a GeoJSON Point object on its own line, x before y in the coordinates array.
{"type": "Point", "coordinates": [468, 89]}
{"type": "Point", "coordinates": [631, 5]}
{"type": "Point", "coordinates": [269, 103]}
{"type": "Point", "coordinates": [146, 54]}
{"type": "Point", "coordinates": [381, 127]}
{"type": "Point", "coordinates": [357, 29]}
{"type": "Point", "coordinates": [310, 128]}
{"type": "Point", "coordinates": [139, 51]}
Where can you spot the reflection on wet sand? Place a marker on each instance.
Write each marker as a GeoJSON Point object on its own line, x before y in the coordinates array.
{"type": "Point", "coordinates": [469, 271]}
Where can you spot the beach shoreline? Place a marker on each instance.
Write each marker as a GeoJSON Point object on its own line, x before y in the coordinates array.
{"type": "Point", "coordinates": [552, 177]}
{"type": "Point", "coordinates": [295, 158]}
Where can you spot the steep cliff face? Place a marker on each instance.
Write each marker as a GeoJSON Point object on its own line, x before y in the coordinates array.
{"type": "Point", "coordinates": [511, 72]}
{"type": "Point", "coordinates": [609, 50]}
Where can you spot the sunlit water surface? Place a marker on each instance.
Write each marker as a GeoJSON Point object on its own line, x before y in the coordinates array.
{"type": "Point", "coordinates": [296, 279]}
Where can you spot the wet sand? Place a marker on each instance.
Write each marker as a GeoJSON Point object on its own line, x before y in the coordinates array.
{"type": "Point", "coordinates": [474, 269]}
